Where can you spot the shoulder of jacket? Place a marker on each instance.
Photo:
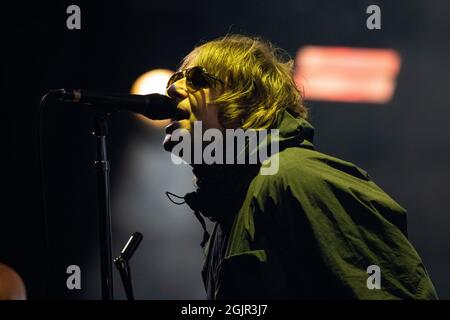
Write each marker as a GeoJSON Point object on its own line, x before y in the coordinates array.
{"type": "Point", "coordinates": [289, 164]}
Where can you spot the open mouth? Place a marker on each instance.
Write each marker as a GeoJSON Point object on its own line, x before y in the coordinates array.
{"type": "Point", "coordinates": [168, 144]}
{"type": "Point", "coordinates": [172, 127]}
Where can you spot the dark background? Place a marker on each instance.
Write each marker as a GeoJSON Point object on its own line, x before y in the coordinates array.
{"type": "Point", "coordinates": [404, 144]}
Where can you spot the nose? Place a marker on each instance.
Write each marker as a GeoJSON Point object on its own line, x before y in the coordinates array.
{"type": "Point", "coordinates": [177, 90]}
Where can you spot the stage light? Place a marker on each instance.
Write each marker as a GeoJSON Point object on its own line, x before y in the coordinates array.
{"type": "Point", "coordinates": [153, 81]}
{"type": "Point", "coordinates": [347, 74]}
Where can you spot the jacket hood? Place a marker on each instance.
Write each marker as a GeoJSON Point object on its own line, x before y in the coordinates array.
{"type": "Point", "coordinates": [221, 188]}
{"type": "Point", "coordinates": [293, 132]}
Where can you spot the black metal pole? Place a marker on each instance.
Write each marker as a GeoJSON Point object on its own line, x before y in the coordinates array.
{"type": "Point", "coordinates": [104, 206]}
{"type": "Point", "coordinates": [124, 271]}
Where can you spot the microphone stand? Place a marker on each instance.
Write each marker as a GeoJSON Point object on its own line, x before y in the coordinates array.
{"type": "Point", "coordinates": [140, 104]}
{"type": "Point", "coordinates": [104, 205]}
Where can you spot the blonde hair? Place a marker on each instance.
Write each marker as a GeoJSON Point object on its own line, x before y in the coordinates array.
{"type": "Point", "coordinates": [258, 80]}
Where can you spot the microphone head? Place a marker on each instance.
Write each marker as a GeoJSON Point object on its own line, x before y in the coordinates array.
{"type": "Point", "coordinates": [160, 107]}
{"type": "Point", "coordinates": [154, 106]}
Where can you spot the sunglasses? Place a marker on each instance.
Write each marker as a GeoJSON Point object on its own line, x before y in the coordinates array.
{"type": "Point", "coordinates": [196, 78]}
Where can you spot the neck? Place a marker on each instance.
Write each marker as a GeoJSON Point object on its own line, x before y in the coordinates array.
{"type": "Point", "coordinates": [222, 188]}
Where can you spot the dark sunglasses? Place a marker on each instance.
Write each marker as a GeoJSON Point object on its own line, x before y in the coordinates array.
{"type": "Point", "coordinates": [196, 78]}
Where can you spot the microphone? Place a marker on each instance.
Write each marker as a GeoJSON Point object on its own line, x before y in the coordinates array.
{"type": "Point", "coordinates": [154, 106]}
{"type": "Point", "coordinates": [131, 245]}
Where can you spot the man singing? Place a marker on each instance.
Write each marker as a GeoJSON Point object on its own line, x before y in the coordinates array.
{"type": "Point", "coordinates": [318, 227]}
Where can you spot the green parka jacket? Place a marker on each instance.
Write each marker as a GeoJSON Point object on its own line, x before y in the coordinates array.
{"type": "Point", "coordinates": [319, 228]}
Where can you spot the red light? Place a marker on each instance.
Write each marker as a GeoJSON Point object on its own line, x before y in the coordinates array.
{"type": "Point", "coordinates": [347, 74]}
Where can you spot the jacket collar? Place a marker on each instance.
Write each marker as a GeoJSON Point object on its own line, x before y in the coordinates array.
{"type": "Point", "coordinates": [221, 187]}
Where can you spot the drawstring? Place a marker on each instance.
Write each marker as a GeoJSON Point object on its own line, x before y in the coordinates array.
{"type": "Point", "coordinates": [170, 194]}
{"type": "Point", "coordinates": [191, 200]}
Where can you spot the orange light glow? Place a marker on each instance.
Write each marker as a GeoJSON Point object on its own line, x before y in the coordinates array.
{"type": "Point", "coordinates": [347, 74]}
